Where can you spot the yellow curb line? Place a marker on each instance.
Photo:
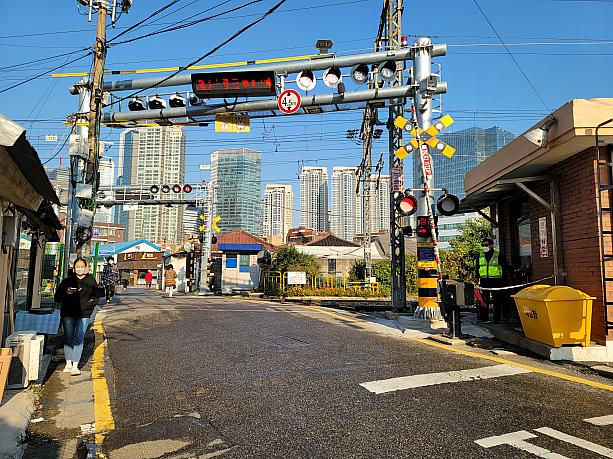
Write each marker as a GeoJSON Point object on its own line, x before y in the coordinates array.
{"type": "Point", "coordinates": [542, 371]}
{"type": "Point", "coordinates": [333, 314]}
{"type": "Point", "coordinates": [102, 402]}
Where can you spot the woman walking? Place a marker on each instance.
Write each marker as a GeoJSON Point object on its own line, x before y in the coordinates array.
{"type": "Point", "coordinates": [148, 278]}
{"type": "Point", "coordinates": [78, 295]}
{"type": "Point", "coordinates": [110, 277]}
{"type": "Point", "coordinates": [170, 280]}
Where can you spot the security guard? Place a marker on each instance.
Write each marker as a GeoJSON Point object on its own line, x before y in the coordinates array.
{"type": "Point", "coordinates": [492, 268]}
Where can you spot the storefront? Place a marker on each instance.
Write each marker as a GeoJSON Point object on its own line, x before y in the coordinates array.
{"type": "Point", "coordinates": [544, 204]}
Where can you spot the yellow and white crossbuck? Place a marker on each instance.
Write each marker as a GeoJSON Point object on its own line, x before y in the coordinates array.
{"type": "Point", "coordinates": [427, 136]}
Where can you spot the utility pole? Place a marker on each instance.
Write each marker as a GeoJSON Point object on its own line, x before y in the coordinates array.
{"type": "Point", "coordinates": [394, 41]}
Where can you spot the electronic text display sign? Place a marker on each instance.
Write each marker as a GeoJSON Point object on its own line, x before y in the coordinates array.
{"type": "Point", "coordinates": [250, 83]}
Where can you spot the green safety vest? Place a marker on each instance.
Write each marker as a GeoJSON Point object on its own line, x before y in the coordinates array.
{"type": "Point", "coordinates": [491, 269]}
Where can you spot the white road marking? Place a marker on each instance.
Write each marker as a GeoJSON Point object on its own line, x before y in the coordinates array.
{"type": "Point", "coordinates": [431, 379]}
{"type": "Point", "coordinates": [601, 420]}
{"type": "Point", "coordinates": [518, 440]}
{"type": "Point", "coordinates": [581, 443]}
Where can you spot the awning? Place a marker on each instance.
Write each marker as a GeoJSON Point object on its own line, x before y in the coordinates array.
{"type": "Point", "coordinates": [13, 141]}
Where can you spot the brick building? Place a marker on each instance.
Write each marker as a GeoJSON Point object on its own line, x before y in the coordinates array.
{"type": "Point", "coordinates": [544, 202]}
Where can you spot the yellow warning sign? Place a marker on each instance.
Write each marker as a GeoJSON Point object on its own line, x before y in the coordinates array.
{"type": "Point", "coordinates": [426, 265]}
{"type": "Point", "coordinates": [232, 123]}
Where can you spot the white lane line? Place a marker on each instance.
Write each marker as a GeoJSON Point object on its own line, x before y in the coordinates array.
{"type": "Point", "coordinates": [431, 379]}
{"type": "Point", "coordinates": [518, 440]}
{"type": "Point", "coordinates": [580, 442]}
{"type": "Point", "coordinates": [601, 420]}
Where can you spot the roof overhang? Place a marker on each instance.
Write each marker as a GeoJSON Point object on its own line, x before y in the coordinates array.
{"type": "Point", "coordinates": [522, 161]}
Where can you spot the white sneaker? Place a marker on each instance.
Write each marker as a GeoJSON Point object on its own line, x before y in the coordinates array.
{"type": "Point", "coordinates": [68, 367]}
{"type": "Point", "coordinates": [75, 371]}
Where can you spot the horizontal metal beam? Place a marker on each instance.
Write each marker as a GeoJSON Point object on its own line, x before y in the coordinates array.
{"type": "Point", "coordinates": [285, 67]}
{"type": "Point", "coordinates": [366, 95]}
{"type": "Point", "coordinates": [146, 202]}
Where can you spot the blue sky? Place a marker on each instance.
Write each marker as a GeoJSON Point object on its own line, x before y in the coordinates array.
{"type": "Point", "coordinates": [565, 47]}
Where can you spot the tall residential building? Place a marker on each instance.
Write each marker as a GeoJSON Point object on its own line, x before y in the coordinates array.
{"type": "Point", "coordinates": [59, 180]}
{"type": "Point", "coordinates": [343, 219]}
{"type": "Point", "coordinates": [278, 202]}
{"type": "Point", "coordinates": [314, 198]}
{"type": "Point", "coordinates": [153, 155]}
{"type": "Point", "coordinates": [379, 206]}
{"type": "Point", "coordinates": [236, 178]}
{"type": "Point", "coordinates": [107, 179]}
{"type": "Point", "coordinates": [473, 145]}
{"type": "Point", "coordinates": [190, 220]}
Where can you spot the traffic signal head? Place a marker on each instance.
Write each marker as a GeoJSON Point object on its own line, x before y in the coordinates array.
{"type": "Point", "coordinates": [177, 100]}
{"type": "Point", "coordinates": [165, 189]}
{"type": "Point", "coordinates": [136, 105]}
{"type": "Point", "coordinates": [448, 204]}
{"type": "Point", "coordinates": [306, 80]}
{"type": "Point", "coordinates": [387, 71]}
{"type": "Point", "coordinates": [406, 204]}
{"type": "Point", "coordinates": [214, 239]}
{"type": "Point", "coordinates": [176, 188]}
{"type": "Point", "coordinates": [187, 188]}
{"type": "Point", "coordinates": [156, 103]}
{"type": "Point", "coordinates": [359, 73]}
{"type": "Point", "coordinates": [332, 77]}
{"type": "Point", "coordinates": [424, 228]}
{"type": "Point", "coordinates": [154, 189]}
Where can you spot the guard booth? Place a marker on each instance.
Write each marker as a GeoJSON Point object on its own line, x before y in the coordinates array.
{"type": "Point", "coordinates": [550, 200]}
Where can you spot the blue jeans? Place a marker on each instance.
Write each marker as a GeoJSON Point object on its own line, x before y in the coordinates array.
{"type": "Point", "coordinates": [74, 333]}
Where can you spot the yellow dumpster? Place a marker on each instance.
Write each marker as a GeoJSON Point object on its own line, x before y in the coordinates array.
{"type": "Point", "coordinates": [555, 314]}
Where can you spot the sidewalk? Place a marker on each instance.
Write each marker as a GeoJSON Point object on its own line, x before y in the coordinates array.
{"type": "Point", "coordinates": [15, 411]}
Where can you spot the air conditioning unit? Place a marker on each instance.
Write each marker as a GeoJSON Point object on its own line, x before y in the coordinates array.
{"type": "Point", "coordinates": [19, 372]}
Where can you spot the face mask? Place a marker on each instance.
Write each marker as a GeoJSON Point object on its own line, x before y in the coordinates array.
{"type": "Point", "coordinates": [80, 271]}
{"type": "Point", "coordinates": [486, 248]}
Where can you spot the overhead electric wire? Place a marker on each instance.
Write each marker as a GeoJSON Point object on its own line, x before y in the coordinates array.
{"type": "Point", "coordinates": [3, 90]}
{"type": "Point", "coordinates": [139, 23]}
{"type": "Point", "coordinates": [212, 51]}
{"type": "Point", "coordinates": [512, 57]}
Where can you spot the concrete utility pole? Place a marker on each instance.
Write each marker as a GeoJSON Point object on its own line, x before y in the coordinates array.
{"type": "Point", "coordinates": [394, 41]}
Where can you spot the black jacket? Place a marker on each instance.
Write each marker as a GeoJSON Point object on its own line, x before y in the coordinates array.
{"type": "Point", "coordinates": [81, 303]}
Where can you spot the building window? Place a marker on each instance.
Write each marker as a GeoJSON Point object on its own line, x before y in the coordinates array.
{"type": "Point", "coordinates": [231, 261]}
{"type": "Point", "coordinates": [244, 264]}
{"type": "Point", "coordinates": [331, 265]}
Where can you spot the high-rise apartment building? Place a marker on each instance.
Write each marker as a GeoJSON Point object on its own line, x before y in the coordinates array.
{"type": "Point", "coordinates": [107, 179]}
{"type": "Point", "coordinates": [379, 206]}
{"type": "Point", "coordinates": [278, 203]}
{"type": "Point", "coordinates": [153, 155]}
{"type": "Point", "coordinates": [236, 178]}
{"type": "Point", "coordinates": [190, 220]}
{"type": "Point", "coordinates": [473, 145]}
{"type": "Point", "coordinates": [343, 219]}
{"type": "Point", "coordinates": [314, 198]}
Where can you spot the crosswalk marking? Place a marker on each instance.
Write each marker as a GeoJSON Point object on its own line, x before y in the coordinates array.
{"type": "Point", "coordinates": [606, 452]}
{"type": "Point", "coordinates": [430, 379]}
{"type": "Point", "coordinates": [518, 440]}
{"type": "Point", "coordinates": [601, 420]}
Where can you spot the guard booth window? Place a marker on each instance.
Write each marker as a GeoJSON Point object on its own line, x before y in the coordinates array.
{"type": "Point", "coordinates": [521, 242]}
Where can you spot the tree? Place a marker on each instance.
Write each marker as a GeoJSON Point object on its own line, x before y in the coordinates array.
{"type": "Point", "coordinates": [460, 261]}
{"type": "Point", "coordinates": [290, 259]}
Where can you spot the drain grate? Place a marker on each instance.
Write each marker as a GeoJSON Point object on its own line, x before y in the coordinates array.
{"type": "Point", "coordinates": [285, 342]}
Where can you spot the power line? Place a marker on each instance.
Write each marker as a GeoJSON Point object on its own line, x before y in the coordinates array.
{"type": "Point", "coordinates": [512, 57]}
{"type": "Point", "coordinates": [132, 27]}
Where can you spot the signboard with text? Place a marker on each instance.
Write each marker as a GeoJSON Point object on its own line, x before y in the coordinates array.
{"type": "Point", "coordinates": [232, 123]}
{"type": "Point", "coordinates": [397, 178]}
{"type": "Point", "coordinates": [296, 278]}
{"type": "Point", "coordinates": [543, 237]}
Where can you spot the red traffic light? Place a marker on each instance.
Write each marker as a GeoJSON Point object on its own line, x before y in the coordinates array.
{"type": "Point", "coordinates": [406, 205]}
{"type": "Point", "coordinates": [176, 188]}
{"type": "Point", "coordinates": [187, 188]}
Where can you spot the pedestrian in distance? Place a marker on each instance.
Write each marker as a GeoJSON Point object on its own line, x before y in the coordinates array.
{"type": "Point", "coordinates": [78, 295]}
{"type": "Point", "coordinates": [170, 280]}
{"type": "Point", "coordinates": [492, 269]}
{"type": "Point", "coordinates": [148, 279]}
{"type": "Point", "coordinates": [109, 277]}
{"type": "Point", "coordinates": [125, 278]}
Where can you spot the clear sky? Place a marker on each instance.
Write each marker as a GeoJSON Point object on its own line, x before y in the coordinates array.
{"type": "Point", "coordinates": [565, 48]}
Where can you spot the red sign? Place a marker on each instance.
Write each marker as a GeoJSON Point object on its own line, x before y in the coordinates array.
{"type": "Point", "coordinates": [289, 101]}
{"type": "Point", "coordinates": [397, 178]}
{"type": "Point", "coordinates": [426, 161]}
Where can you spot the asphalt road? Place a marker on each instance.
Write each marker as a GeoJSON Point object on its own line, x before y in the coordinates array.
{"type": "Point", "coordinates": [237, 378]}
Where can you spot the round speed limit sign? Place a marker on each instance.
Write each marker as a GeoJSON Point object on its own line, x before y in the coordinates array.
{"type": "Point", "coordinates": [289, 101]}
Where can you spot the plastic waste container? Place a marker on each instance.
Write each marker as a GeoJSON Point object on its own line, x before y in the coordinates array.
{"type": "Point", "coordinates": [555, 314]}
